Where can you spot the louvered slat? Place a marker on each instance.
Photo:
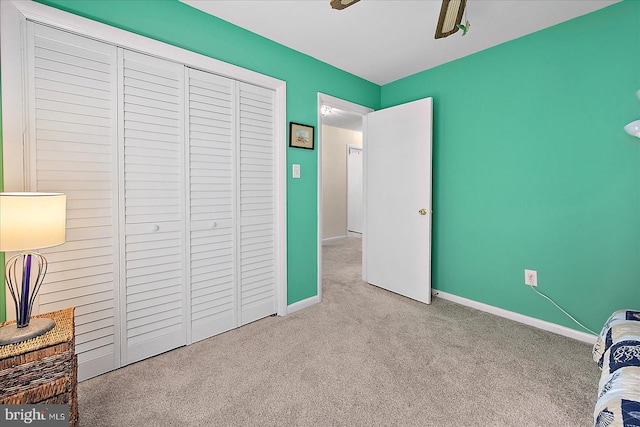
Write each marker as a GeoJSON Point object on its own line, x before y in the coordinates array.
{"type": "Point", "coordinates": [153, 206]}
{"type": "Point", "coordinates": [73, 90]}
{"type": "Point", "coordinates": [211, 190]}
{"type": "Point", "coordinates": [256, 204]}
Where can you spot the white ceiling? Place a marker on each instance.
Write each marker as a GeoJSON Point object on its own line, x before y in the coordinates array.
{"type": "Point", "coordinates": [343, 119]}
{"type": "Point", "coordinates": [385, 40]}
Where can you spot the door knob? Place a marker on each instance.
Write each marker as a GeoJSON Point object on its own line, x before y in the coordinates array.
{"type": "Point", "coordinates": [422, 211]}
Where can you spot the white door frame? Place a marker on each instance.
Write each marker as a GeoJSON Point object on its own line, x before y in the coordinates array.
{"type": "Point", "coordinates": [14, 130]}
{"type": "Point", "coordinates": [324, 99]}
{"type": "Point", "coordinates": [357, 148]}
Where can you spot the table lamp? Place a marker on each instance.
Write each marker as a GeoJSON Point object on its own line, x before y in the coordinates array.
{"type": "Point", "coordinates": [28, 221]}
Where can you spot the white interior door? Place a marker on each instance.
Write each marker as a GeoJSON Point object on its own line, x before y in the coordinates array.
{"type": "Point", "coordinates": [211, 130]}
{"type": "Point", "coordinates": [153, 200]}
{"type": "Point", "coordinates": [397, 254]}
{"type": "Point", "coordinates": [256, 204]}
{"type": "Point", "coordinates": [354, 189]}
{"type": "Point", "coordinates": [72, 102]}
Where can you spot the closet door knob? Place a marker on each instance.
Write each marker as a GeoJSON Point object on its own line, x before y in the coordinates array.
{"type": "Point", "coordinates": [155, 227]}
{"type": "Point", "coordinates": [213, 224]}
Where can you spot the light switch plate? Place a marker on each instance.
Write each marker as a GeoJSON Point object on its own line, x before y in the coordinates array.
{"type": "Point", "coordinates": [296, 171]}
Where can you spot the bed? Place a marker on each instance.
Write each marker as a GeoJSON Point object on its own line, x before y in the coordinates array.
{"type": "Point", "coordinates": [617, 353]}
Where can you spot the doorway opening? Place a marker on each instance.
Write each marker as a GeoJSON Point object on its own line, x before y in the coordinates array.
{"type": "Point", "coordinates": [340, 173]}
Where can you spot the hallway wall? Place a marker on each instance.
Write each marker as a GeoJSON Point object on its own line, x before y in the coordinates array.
{"type": "Point", "coordinates": [334, 179]}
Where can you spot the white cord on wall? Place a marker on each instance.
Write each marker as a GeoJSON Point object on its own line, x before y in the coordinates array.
{"type": "Point", "coordinates": [560, 308]}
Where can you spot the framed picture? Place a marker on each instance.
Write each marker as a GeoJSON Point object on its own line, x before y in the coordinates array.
{"type": "Point", "coordinates": [300, 136]}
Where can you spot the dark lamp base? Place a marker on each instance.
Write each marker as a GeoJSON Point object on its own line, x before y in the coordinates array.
{"type": "Point", "coordinates": [11, 334]}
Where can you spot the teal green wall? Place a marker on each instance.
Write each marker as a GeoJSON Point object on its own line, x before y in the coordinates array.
{"type": "Point", "coordinates": [178, 24]}
{"type": "Point", "coordinates": [531, 166]}
{"type": "Point", "coordinates": [532, 169]}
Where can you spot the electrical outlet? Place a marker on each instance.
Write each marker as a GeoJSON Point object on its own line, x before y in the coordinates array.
{"type": "Point", "coordinates": [531, 277]}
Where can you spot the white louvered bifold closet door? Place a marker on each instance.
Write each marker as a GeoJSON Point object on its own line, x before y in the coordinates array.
{"type": "Point", "coordinates": [211, 130]}
{"type": "Point", "coordinates": [170, 180]}
{"type": "Point", "coordinates": [153, 200]}
{"type": "Point", "coordinates": [257, 283]}
{"type": "Point", "coordinates": [72, 99]}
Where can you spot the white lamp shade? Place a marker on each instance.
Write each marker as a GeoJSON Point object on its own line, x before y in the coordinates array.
{"type": "Point", "coordinates": [32, 220]}
{"type": "Point", "coordinates": [633, 128]}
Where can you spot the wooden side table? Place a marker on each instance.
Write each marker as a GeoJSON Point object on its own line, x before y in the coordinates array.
{"type": "Point", "coordinates": [43, 369]}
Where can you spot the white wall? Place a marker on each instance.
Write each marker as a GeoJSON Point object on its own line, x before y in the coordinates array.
{"type": "Point", "coordinates": [334, 179]}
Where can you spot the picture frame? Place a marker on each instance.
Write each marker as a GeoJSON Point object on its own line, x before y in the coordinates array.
{"type": "Point", "coordinates": [301, 136]}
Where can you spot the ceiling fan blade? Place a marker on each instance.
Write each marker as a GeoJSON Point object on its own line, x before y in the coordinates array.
{"type": "Point", "coordinates": [341, 4]}
{"type": "Point", "coordinates": [450, 16]}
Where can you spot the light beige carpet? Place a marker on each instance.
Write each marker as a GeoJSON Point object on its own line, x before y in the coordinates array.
{"type": "Point", "coordinates": [362, 357]}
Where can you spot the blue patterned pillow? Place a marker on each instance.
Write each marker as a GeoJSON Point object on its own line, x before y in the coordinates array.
{"type": "Point", "coordinates": [630, 413]}
{"type": "Point", "coordinates": [633, 315]}
{"type": "Point", "coordinates": [623, 354]}
{"type": "Point", "coordinates": [615, 328]}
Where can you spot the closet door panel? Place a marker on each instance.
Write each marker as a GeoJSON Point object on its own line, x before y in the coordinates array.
{"type": "Point", "coordinates": [73, 99]}
{"type": "Point", "coordinates": [169, 176]}
{"type": "Point", "coordinates": [153, 199]}
{"type": "Point", "coordinates": [212, 197]}
{"type": "Point", "coordinates": [257, 286]}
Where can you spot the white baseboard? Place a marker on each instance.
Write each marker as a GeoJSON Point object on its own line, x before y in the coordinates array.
{"type": "Point", "coordinates": [521, 318]}
{"type": "Point", "coordinates": [330, 239]}
{"type": "Point", "coordinates": [302, 304]}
